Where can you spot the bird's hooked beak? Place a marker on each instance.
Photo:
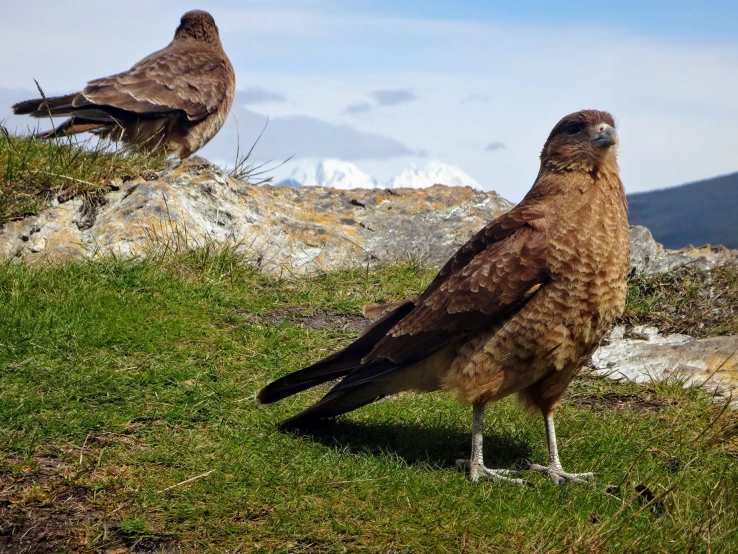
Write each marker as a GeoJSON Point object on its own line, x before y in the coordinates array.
{"type": "Point", "coordinates": [605, 135]}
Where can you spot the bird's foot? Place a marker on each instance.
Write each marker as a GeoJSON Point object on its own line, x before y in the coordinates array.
{"type": "Point", "coordinates": [557, 474]}
{"type": "Point", "coordinates": [477, 470]}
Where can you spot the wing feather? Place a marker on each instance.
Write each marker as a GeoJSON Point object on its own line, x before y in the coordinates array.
{"type": "Point", "coordinates": [181, 77]}
{"type": "Point", "coordinates": [497, 271]}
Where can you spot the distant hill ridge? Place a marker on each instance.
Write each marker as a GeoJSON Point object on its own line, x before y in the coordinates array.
{"type": "Point", "coordinates": [696, 213]}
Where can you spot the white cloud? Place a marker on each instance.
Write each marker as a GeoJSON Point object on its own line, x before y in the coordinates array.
{"type": "Point", "coordinates": [476, 98]}
{"type": "Point", "coordinates": [300, 136]}
{"type": "Point", "coordinates": [358, 108]}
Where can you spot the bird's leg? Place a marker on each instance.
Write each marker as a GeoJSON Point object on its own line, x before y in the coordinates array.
{"type": "Point", "coordinates": [554, 471]}
{"type": "Point", "coordinates": [476, 463]}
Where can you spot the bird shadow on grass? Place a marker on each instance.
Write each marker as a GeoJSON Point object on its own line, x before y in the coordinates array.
{"type": "Point", "coordinates": [416, 443]}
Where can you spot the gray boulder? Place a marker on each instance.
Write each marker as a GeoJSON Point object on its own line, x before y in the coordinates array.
{"type": "Point", "coordinates": [644, 355]}
{"type": "Point", "coordinates": [648, 257]}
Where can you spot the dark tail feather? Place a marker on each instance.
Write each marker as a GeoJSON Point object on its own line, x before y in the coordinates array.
{"type": "Point", "coordinates": [39, 107]}
{"type": "Point", "coordinates": [373, 383]}
{"type": "Point", "coordinates": [27, 106]}
{"type": "Point", "coordinates": [336, 405]}
{"type": "Point", "coordinates": [70, 127]}
{"type": "Point", "coordinates": [336, 365]}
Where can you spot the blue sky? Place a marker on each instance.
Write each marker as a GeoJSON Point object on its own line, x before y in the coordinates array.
{"type": "Point", "coordinates": [386, 83]}
{"type": "Point", "coordinates": [710, 20]}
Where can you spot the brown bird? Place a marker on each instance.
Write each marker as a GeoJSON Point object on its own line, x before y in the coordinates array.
{"type": "Point", "coordinates": [518, 309]}
{"type": "Point", "coordinates": [173, 101]}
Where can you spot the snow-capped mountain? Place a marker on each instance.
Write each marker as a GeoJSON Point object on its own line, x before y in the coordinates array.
{"type": "Point", "coordinates": [434, 173]}
{"type": "Point", "coordinates": [330, 173]}
{"type": "Point", "coordinates": [339, 174]}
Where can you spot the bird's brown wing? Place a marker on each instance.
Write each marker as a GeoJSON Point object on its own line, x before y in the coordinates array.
{"type": "Point", "coordinates": [181, 77]}
{"type": "Point", "coordinates": [494, 273]}
{"type": "Point", "coordinates": [499, 229]}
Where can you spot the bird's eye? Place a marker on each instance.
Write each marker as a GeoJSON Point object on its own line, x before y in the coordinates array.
{"type": "Point", "coordinates": [574, 128]}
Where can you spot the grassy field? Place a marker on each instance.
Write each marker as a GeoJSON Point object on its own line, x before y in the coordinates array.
{"type": "Point", "coordinates": [128, 424]}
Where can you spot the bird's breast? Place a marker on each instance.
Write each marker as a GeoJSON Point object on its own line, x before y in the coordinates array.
{"type": "Point", "coordinates": [562, 323]}
{"type": "Point", "coordinates": [589, 263]}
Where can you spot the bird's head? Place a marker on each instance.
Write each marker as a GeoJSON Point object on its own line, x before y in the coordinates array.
{"type": "Point", "coordinates": [198, 25]}
{"type": "Point", "coordinates": [582, 141]}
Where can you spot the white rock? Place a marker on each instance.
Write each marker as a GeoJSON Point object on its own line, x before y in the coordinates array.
{"type": "Point", "coordinates": [650, 356]}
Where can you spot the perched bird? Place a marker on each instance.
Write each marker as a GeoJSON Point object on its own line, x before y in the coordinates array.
{"type": "Point", "coordinates": [173, 101]}
{"type": "Point", "coordinates": [518, 309]}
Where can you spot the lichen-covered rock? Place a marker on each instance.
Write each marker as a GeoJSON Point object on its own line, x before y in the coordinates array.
{"type": "Point", "coordinates": [284, 230]}
{"type": "Point", "coordinates": [642, 355]}
{"type": "Point", "coordinates": [648, 257]}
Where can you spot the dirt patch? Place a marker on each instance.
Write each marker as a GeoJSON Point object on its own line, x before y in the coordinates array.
{"type": "Point", "coordinates": [317, 321]}
{"type": "Point", "coordinates": [122, 541]}
{"type": "Point", "coordinates": [37, 527]}
{"type": "Point", "coordinates": [644, 401]}
{"type": "Point", "coordinates": [42, 511]}
{"type": "Point", "coordinates": [39, 508]}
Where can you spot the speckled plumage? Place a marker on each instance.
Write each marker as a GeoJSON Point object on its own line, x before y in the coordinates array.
{"type": "Point", "coordinates": [517, 309]}
{"type": "Point", "coordinates": [537, 351]}
{"type": "Point", "coordinates": [173, 101]}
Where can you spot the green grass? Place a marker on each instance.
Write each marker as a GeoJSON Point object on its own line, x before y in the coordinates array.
{"type": "Point", "coordinates": [35, 171]}
{"type": "Point", "coordinates": [121, 380]}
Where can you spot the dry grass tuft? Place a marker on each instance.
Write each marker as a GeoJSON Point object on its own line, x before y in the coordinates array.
{"type": "Point", "coordinates": [35, 171]}
{"type": "Point", "coordinates": [697, 303]}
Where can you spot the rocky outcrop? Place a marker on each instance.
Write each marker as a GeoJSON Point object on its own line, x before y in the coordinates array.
{"type": "Point", "coordinates": [284, 230]}
{"type": "Point", "coordinates": [648, 257]}
{"type": "Point", "coordinates": [642, 355]}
